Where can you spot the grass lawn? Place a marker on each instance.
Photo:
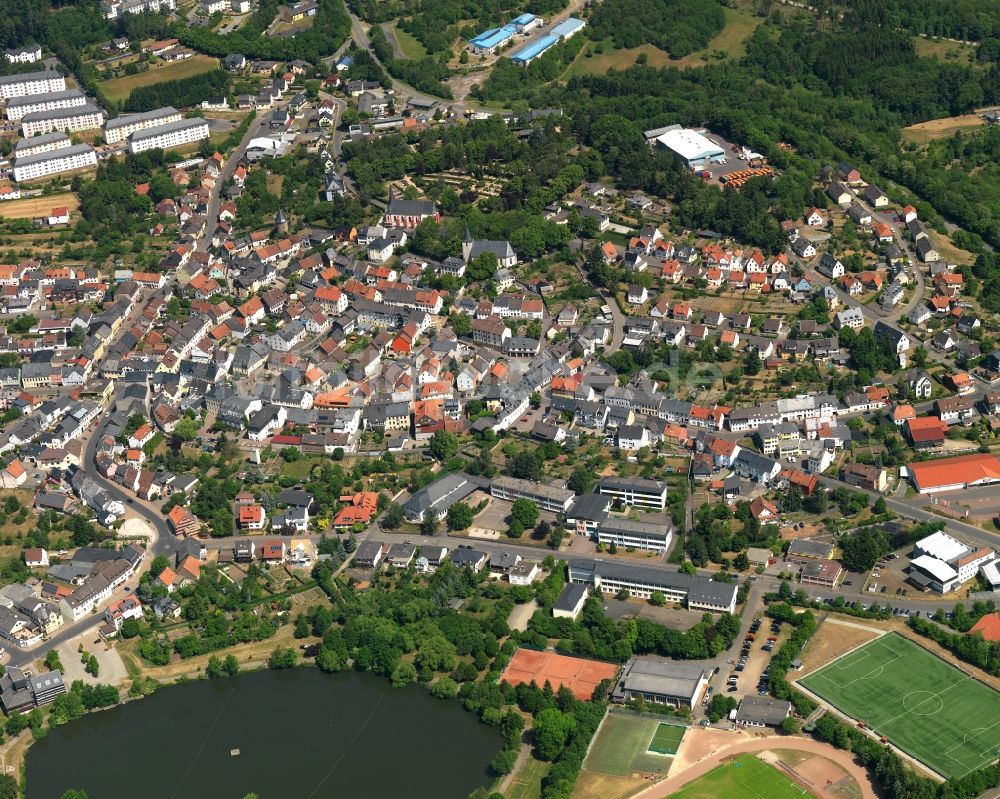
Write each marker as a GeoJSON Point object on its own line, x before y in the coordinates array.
{"type": "Point", "coordinates": [944, 128]}
{"type": "Point", "coordinates": [299, 469]}
{"type": "Point", "coordinates": [949, 252]}
{"type": "Point", "coordinates": [120, 88]}
{"type": "Point", "coordinates": [944, 50]}
{"type": "Point", "coordinates": [32, 207]}
{"type": "Point", "coordinates": [527, 783]}
{"type": "Point", "coordinates": [730, 41]}
{"type": "Point", "coordinates": [622, 741]}
{"type": "Point", "coordinates": [408, 44]}
{"type": "Point", "coordinates": [921, 703]}
{"type": "Point", "coordinates": [744, 777]}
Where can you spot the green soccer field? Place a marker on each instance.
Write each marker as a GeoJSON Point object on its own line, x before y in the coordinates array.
{"type": "Point", "coordinates": [621, 746]}
{"type": "Point", "coordinates": [666, 739]}
{"type": "Point", "coordinates": [744, 777]}
{"type": "Point", "coordinates": [923, 705]}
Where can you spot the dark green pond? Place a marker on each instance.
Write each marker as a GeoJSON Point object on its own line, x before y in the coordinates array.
{"type": "Point", "coordinates": [301, 734]}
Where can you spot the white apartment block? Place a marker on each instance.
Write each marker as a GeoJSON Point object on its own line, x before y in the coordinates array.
{"type": "Point", "coordinates": [65, 159]}
{"type": "Point", "coordinates": [17, 107]}
{"type": "Point", "coordinates": [31, 83]}
{"type": "Point", "coordinates": [173, 134]}
{"type": "Point", "coordinates": [41, 144]}
{"type": "Point", "coordinates": [548, 498]}
{"type": "Point", "coordinates": [26, 54]}
{"type": "Point", "coordinates": [120, 128]}
{"type": "Point", "coordinates": [630, 534]}
{"type": "Point", "coordinates": [113, 9]}
{"type": "Point", "coordinates": [67, 120]}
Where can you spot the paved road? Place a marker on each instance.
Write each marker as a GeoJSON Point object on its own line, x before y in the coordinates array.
{"type": "Point", "coordinates": [164, 543]}
{"type": "Point", "coordinates": [24, 658]}
{"type": "Point", "coordinates": [359, 34]}
{"type": "Point", "coordinates": [617, 317]}
{"type": "Point", "coordinates": [257, 127]}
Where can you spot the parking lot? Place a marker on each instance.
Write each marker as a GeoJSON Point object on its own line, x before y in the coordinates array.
{"type": "Point", "coordinates": [757, 659]}
{"type": "Point", "coordinates": [111, 669]}
{"type": "Point", "coordinates": [888, 578]}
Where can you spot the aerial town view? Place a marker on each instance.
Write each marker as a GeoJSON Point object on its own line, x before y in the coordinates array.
{"type": "Point", "coordinates": [593, 399]}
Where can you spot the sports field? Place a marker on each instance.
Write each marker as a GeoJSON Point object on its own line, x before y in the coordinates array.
{"type": "Point", "coordinates": [666, 739]}
{"type": "Point", "coordinates": [923, 705]}
{"type": "Point", "coordinates": [744, 777]}
{"type": "Point", "coordinates": [580, 675]}
{"type": "Point", "coordinates": [624, 743]}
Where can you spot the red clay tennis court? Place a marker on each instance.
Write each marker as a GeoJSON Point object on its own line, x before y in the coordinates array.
{"type": "Point", "coordinates": [580, 675]}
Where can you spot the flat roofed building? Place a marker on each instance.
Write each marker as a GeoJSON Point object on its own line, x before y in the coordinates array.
{"type": "Point", "coordinates": [526, 55]}
{"type": "Point", "coordinates": [17, 107]}
{"type": "Point", "coordinates": [623, 532]}
{"type": "Point", "coordinates": [927, 572]}
{"type": "Point", "coordinates": [635, 491]}
{"type": "Point", "coordinates": [567, 28]}
{"type": "Point", "coordinates": [67, 120]}
{"type": "Point", "coordinates": [549, 498]}
{"type": "Point", "coordinates": [31, 83]}
{"type": "Point", "coordinates": [66, 159]}
{"type": "Point", "coordinates": [762, 711]}
{"type": "Point", "coordinates": [120, 128]}
{"type": "Point", "coordinates": [691, 147]}
{"type": "Point", "coordinates": [489, 41]}
{"type": "Point", "coordinates": [665, 682]}
{"type": "Point", "coordinates": [165, 137]}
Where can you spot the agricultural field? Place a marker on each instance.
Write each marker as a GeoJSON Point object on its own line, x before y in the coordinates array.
{"type": "Point", "coordinates": [34, 207]}
{"type": "Point", "coordinates": [920, 703]}
{"type": "Point", "coordinates": [743, 777]}
{"type": "Point", "coordinates": [120, 88]}
{"type": "Point", "coordinates": [924, 132]}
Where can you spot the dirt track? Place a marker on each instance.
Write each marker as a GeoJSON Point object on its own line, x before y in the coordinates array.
{"type": "Point", "coordinates": [720, 745]}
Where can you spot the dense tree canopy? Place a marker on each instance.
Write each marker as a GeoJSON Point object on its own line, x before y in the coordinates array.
{"type": "Point", "coordinates": [677, 26]}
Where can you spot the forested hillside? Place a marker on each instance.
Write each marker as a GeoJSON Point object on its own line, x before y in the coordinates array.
{"type": "Point", "coordinates": [677, 26]}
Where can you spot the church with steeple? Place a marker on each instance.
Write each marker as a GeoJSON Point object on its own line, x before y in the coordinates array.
{"type": "Point", "coordinates": [472, 248]}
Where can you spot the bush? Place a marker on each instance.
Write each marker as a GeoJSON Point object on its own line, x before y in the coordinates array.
{"type": "Point", "coordinates": [444, 688]}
